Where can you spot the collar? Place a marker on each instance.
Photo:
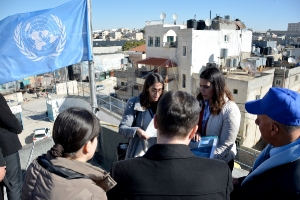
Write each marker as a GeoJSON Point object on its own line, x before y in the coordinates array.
{"type": "Point", "coordinates": [98, 175]}
{"type": "Point", "coordinates": [168, 151]}
{"type": "Point", "coordinates": [277, 150]}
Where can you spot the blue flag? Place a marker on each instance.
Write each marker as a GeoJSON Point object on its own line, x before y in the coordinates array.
{"type": "Point", "coordinates": [43, 41]}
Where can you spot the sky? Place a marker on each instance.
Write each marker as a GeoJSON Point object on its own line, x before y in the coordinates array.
{"type": "Point", "coordinates": [260, 15]}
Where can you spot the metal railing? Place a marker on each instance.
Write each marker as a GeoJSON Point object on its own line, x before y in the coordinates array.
{"type": "Point", "coordinates": [111, 104]}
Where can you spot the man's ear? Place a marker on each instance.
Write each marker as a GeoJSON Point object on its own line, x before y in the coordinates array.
{"type": "Point", "coordinates": [274, 129]}
{"type": "Point", "coordinates": [155, 122]}
{"type": "Point", "coordinates": [193, 132]}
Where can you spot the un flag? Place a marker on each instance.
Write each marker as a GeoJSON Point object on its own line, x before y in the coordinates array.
{"type": "Point", "coordinates": [43, 41]}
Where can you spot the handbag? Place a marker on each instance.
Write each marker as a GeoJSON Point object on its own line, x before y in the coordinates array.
{"type": "Point", "coordinates": [122, 147]}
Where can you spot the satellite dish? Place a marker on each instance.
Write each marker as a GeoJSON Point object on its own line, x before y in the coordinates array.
{"type": "Point", "coordinates": [249, 67]}
{"type": "Point", "coordinates": [208, 22]}
{"type": "Point", "coordinates": [162, 16]}
{"type": "Point", "coordinates": [175, 17]}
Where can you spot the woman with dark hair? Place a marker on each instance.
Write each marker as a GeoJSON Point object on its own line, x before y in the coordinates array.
{"type": "Point", "coordinates": [138, 115]}
{"type": "Point", "coordinates": [63, 173]}
{"type": "Point", "coordinates": [219, 116]}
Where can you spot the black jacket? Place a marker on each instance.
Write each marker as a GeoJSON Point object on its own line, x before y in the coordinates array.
{"type": "Point", "coordinates": [171, 171]}
{"type": "Point", "coordinates": [9, 128]}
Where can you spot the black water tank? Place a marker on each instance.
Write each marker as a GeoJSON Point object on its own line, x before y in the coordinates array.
{"type": "Point", "coordinates": [270, 61]}
{"type": "Point", "coordinates": [266, 51]}
{"type": "Point", "coordinates": [201, 25]}
{"type": "Point", "coordinates": [191, 23]}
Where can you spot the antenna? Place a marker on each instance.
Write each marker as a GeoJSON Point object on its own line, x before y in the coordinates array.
{"type": "Point", "coordinates": [175, 17]}
{"type": "Point", "coordinates": [162, 17]}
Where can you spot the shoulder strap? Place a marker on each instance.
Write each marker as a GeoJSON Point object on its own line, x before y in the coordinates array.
{"type": "Point", "coordinates": [135, 113]}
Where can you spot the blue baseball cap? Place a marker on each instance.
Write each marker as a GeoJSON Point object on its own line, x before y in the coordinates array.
{"type": "Point", "coordinates": [280, 104]}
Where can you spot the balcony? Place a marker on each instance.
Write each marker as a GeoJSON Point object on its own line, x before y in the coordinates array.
{"type": "Point", "coordinates": [170, 44]}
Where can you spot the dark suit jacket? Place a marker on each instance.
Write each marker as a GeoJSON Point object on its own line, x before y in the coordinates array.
{"type": "Point", "coordinates": [279, 183]}
{"type": "Point", "coordinates": [171, 171]}
{"type": "Point", "coordinates": [9, 128]}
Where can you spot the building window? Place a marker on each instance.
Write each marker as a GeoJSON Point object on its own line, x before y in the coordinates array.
{"type": "Point", "coordinates": [226, 38]}
{"type": "Point", "coordinates": [257, 97]}
{"type": "Point", "coordinates": [150, 42]}
{"type": "Point", "coordinates": [170, 39]}
{"type": "Point", "coordinates": [122, 83]}
{"type": "Point", "coordinates": [235, 91]}
{"type": "Point", "coordinates": [278, 82]}
{"type": "Point", "coordinates": [183, 80]}
{"type": "Point", "coordinates": [163, 71]}
{"type": "Point", "coordinates": [296, 78]}
{"type": "Point", "coordinates": [157, 41]}
{"type": "Point", "coordinates": [184, 50]}
{"type": "Point", "coordinates": [135, 87]}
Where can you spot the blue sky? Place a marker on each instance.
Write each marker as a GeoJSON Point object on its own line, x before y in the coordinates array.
{"type": "Point", "coordinates": [256, 14]}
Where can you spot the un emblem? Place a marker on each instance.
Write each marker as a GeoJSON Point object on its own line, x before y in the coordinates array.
{"type": "Point", "coordinates": [40, 37]}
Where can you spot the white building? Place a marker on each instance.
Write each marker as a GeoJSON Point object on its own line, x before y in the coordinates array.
{"type": "Point", "coordinates": [191, 49]}
{"type": "Point", "coordinates": [293, 26]}
{"type": "Point", "coordinates": [115, 35]}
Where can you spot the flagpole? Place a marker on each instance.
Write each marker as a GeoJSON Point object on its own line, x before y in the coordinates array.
{"type": "Point", "coordinates": [91, 63]}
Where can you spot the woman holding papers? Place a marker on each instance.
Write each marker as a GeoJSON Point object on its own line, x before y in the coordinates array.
{"type": "Point", "coordinates": [219, 116]}
{"type": "Point", "coordinates": [138, 115]}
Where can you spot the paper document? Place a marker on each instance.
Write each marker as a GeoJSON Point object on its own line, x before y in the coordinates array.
{"type": "Point", "coordinates": [205, 147]}
{"type": "Point", "coordinates": [151, 131]}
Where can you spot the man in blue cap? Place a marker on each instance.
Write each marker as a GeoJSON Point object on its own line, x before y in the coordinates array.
{"type": "Point", "coordinates": [276, 171]}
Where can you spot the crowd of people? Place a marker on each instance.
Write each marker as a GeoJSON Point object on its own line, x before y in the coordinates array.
{"type": "Point", "coordinates": [160, 165]}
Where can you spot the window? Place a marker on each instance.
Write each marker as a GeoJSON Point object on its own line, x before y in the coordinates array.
{"type": "Point", "coordinates": [170, 39]}
{"type": "Point", "coordinates": [278, 82]}
{"type": "Point", "coordinates": [184, 50]}
{"type": "Point", "coordinates": [226, 38]}
{"type": "Point", "coordinates": [296, 78]}
{"type": "Point", "coordinates": [122, 83]}
{"type": "Point", "coordinates": [235, 91]}
{"type": "Point", "coordinates": [150, 42]}
{"type": "Point", "coordinates": [163, 71]}
{"type": "Point", "coordinates": [157, 41]}
{"type": "Point", "coordinates": [135, 87]}
{"type": "Point", "coordinates": [183, 80]}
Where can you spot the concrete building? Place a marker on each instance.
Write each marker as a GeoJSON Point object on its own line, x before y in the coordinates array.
{"type": "Point", "coordinates": [192, 49]}
{"type": "Point", "coordinates": [115, 35]}
{"type": "Point", "coordinates": [293, 26]}
{"type": "Point", "coordinates": [287, 77]}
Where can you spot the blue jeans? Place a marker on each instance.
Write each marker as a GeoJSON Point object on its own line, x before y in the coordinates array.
{"type": "Point", "coordinates": [14, 176]}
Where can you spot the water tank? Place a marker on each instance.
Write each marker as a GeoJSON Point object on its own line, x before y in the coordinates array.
{"type": "Point", "coordinates": [235, 62]}
{"type": "Point", "coordinates": [124, 61]}
{"type": "Point", "coordinates": [201, 25]}
{"type": "Point", "coordinates": [266, 51]}
{"type": "Point", "coordinates": [257, 49]}
{"type": "Point", "coordinates": [270, 61]}
{"type": "Point", "coordinates": [192, 23]}
{"type": "Point", "coordinates": [253, 48]}
{"type": "Point", "coordinates": [224, 53]}
{"type": "Point", "coordinates": [227, 17]}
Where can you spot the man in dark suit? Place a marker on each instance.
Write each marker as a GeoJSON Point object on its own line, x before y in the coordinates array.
{"type": "Point", "coordinates": [10, 145]}
{"type": "Point", "coordinates": [169, 170]}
